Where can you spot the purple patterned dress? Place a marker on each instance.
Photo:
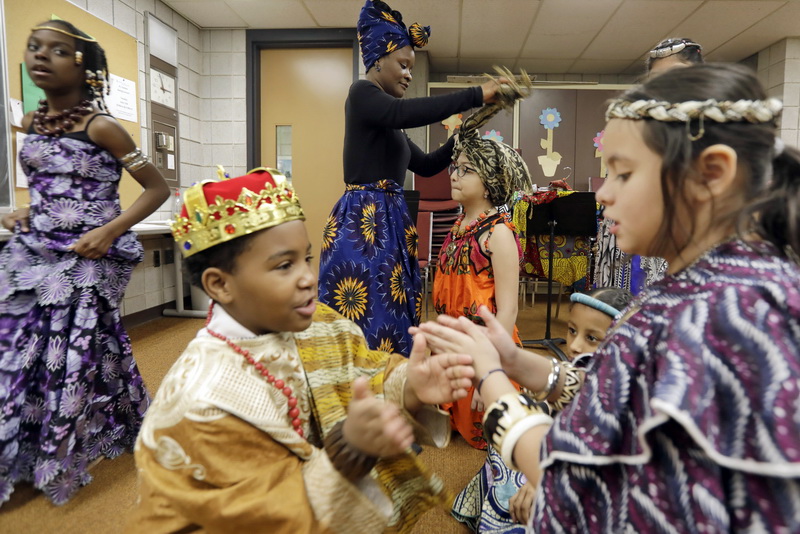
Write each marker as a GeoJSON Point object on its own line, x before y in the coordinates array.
{"type": "Point", "coordinates": [689, 417]}
{"type": "Point", "coordinates": [70, 391]}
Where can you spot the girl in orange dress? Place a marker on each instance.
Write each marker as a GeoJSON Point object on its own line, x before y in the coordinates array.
{"type": "Point", "coordinates": [479, 259]}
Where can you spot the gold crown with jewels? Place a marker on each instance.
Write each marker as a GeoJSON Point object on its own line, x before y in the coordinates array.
{"type": "Point", "coordinates": [215, 212]}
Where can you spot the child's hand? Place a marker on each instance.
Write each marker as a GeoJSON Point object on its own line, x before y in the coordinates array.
{"type": "Point", "coordinates": [10, 219]}
{"type": "Point", "coordinates": [477, 402]}
{"type": "Point", "coordinates": [373, 426]}
{"type": "Point", "coordinates": [436, 378]}
{"type": "Point", "coordinates": [499, 337]}
{"type": "Point", "coordinates": [520, 503]}
{"type": "Point", "coordinates": [451, 335]}
{"type": "Point", "coordinates": [94, 244]}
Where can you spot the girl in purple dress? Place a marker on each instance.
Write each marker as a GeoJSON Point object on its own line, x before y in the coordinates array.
{"type": "Point", "coordinates": [686, 418]}
{"type": "Point", "coordinates": [70, 391]}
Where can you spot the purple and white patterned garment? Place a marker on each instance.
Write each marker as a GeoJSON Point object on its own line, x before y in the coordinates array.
{"type": "Point", "coordinates": [688, 419]}
{"type": "Point", "coordinates": [70, 390]}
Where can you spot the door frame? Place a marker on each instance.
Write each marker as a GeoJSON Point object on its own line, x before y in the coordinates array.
{"type": "Point", "coordinates": [258, 40]}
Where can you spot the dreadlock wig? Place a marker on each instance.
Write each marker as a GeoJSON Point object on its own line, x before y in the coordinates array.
{"type": "Point", "coordinates": [500, 167]}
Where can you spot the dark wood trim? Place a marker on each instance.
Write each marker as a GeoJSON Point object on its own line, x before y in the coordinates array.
{"type": "Point", "coordinates": [258, 40]}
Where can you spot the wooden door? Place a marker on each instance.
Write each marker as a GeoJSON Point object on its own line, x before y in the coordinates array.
{"type": "Point", "coordinates": [306, 89]}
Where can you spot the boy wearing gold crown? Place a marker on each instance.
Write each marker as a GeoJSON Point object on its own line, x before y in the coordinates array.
{"type": "Point", "coordinates": [277, 418]}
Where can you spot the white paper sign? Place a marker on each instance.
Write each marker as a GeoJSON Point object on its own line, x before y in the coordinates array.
{"type": "Point", "coordinates": [22, 179]}
{"type": "Point", "coordinates": [171, 162]}
{"type": "Point", "coordinates": [121, 99]}
{"type": "Point", "coordinates": [16, 112]}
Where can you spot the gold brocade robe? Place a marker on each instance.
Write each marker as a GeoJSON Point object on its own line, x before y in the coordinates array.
{"type": "Point", "coordinates": [217, 452]}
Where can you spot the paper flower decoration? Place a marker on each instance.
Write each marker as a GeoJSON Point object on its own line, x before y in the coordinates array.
{"type": "Point", "coordinates": [452, 123]}
{"type": "Point", "coordinates": [550, 118]}
{"type": "Point", "coordinates": [598, 141]}
{"type": "Point", "coordinates": [494, 135]}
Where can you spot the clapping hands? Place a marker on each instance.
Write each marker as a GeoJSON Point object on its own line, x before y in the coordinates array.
{"type": "Point", "coordinates": [490, 346]}
{"type": "Point", "coordinates": [374, 426]}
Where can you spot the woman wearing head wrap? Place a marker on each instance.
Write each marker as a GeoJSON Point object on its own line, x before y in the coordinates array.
{"type": "Point", "coordinates": [368, 267]}
{"type": "Point", "coordinates": [479, 260]}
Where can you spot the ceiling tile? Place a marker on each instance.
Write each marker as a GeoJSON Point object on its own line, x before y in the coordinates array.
{"type": "Point", "coordinates": [208, 13]}
{"type": "Point", "coordinates": [769, 30]}
{"type": "Point", "coordinates": [443, 64]}
{"type": "Point", "coordinates": [599, 66]}
{"type": "Point", "coordinates": [553, 38]}
{"type": "Point", "coordinates": [536, 66]}
{"type": "Point", "coordinates": [334, 13]}
{"type": "Point", "coordinates": [481, 65]}
{"type": "Point", "coordinates": [704, 25]}
{"type": "Point", "coordinates": [495, 31]}
{"type": "Point", "coordinates": [545, 36]}
{"type": "Point", "coordinates": [636, 26]}
{"type": "Point", "coordinates": [280, 14]}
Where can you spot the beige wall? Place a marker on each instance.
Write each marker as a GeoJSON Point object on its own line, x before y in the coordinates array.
{"type": "Point", "coordinates": [779, 71]}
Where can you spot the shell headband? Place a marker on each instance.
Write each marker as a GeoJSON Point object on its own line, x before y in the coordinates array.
{"type": "Point", "coordinates": [753, 111]}
{"type": "Point", "coordinates": [671, 50]}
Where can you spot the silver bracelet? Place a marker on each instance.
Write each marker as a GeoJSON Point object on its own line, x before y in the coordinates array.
{"type": "Point", "coordinates": [552, 381]}
{"type": "Point", "coordinates": [134, 160]}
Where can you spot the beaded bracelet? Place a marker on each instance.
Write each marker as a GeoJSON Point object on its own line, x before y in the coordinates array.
{"type": "Point", "coordinates": [502, 418]}
{"type": "Point", "coordinates": [349, 461]}
{"type": "Point", "coordinates": [487, 376]}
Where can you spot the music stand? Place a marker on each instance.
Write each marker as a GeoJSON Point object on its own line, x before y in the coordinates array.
{"type": "Point", "coordinates": [574, 215]}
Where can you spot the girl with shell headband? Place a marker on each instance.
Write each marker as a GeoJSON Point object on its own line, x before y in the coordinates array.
{"type": "Point", "coordinates": [686, 419]}
{"type": "Point", "coordinates": [368, 266]}
{"type": "Point", "coordinates": [70, 390]}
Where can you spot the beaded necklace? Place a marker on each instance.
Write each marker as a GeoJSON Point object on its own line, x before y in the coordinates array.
{"type": "Point", "coordinates": [294, 411]}
{"type": "Point", "coordinates": [459, 233]}
{"type": "Point", "coordinates": [62, 122]}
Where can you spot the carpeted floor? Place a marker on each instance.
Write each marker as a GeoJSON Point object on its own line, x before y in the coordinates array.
{"type": "Point", "coordinates": [102, 506]}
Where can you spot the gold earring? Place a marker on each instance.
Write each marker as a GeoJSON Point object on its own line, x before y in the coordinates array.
{"type": "Point", "coordinates": [79, 58]}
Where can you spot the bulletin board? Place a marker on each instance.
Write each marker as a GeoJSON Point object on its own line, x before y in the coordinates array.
{"type": "Point", "coordinates": [120, 50]}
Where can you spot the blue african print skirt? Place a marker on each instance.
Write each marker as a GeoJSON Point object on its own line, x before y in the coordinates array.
{"type": "Point", "coordinates": [483, 504]}
{"type": "Point", "coordinates": [368, 265]}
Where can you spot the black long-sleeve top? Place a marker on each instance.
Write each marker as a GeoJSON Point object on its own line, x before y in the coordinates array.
{"type": "Point", "coordinates": [375, 147]}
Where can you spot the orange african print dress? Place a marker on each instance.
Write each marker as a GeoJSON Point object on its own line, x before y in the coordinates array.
{"type": "Point", "coordinates": [464, 280]}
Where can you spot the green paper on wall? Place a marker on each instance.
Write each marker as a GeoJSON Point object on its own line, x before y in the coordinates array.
{"type": "Point", "coordinates": [30, 93]}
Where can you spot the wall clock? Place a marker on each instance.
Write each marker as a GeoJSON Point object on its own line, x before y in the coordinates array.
{"type": "Point", "coordinates": [162, 88]}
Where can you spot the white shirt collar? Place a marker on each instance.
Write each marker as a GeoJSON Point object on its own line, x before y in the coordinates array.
{"type": "Point", "coordinates": [222, 323]}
